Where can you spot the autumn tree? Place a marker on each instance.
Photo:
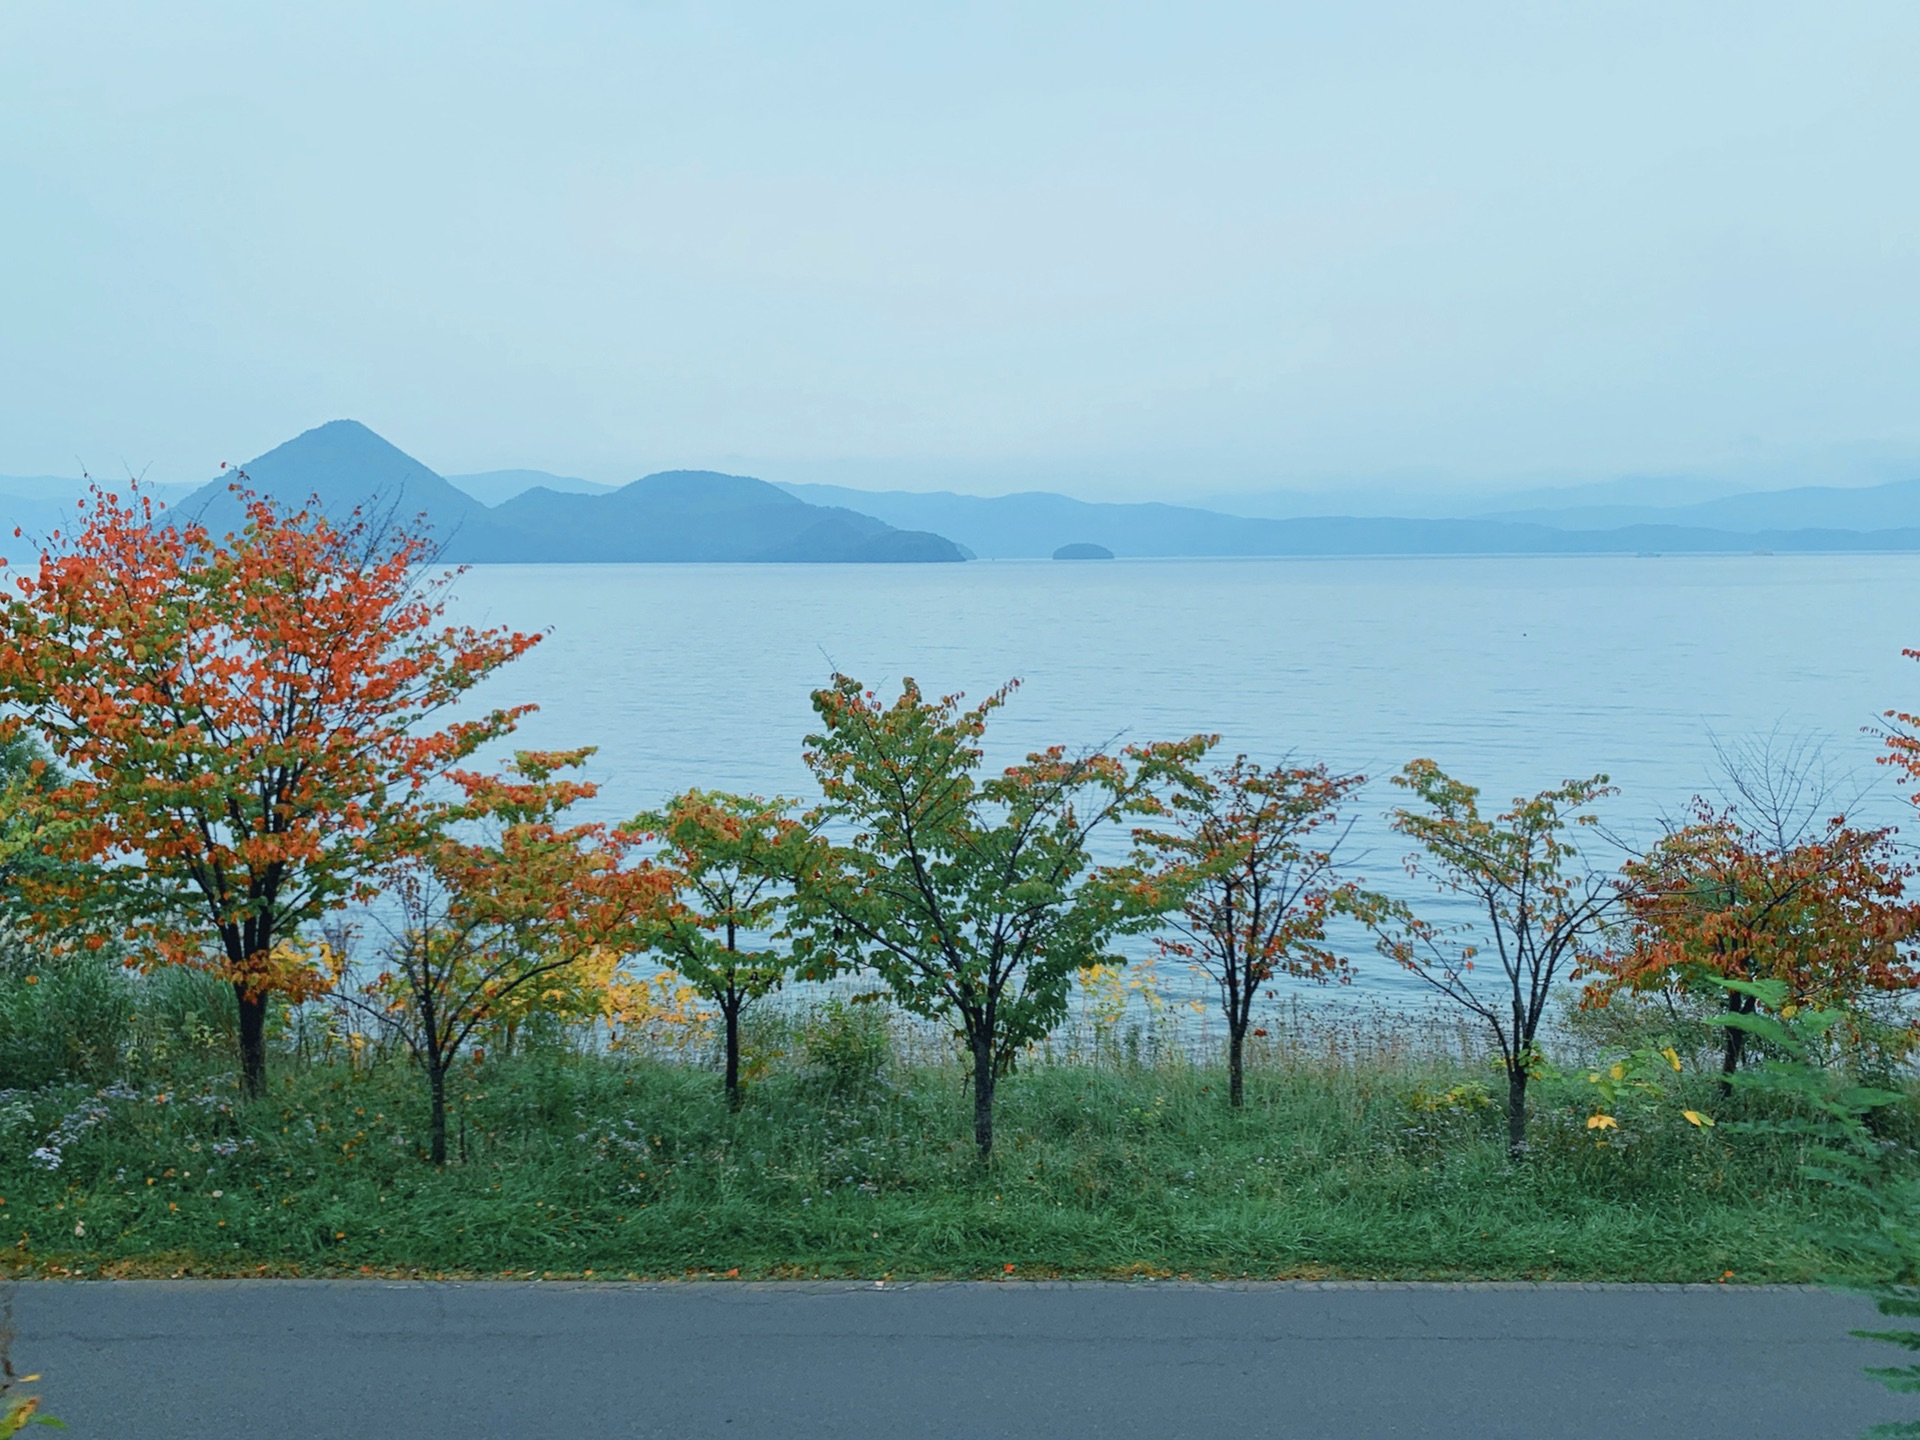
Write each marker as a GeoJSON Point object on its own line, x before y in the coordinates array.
{"type": "Point", "coordinates": [1529, 903]}
{"type": "Point", "coordinates": [1260, 845]}
{"type": "Point", "coordinates": [730, 861]}
{"type": "Point", "coordinates": [246, 722]}
{"type": "Point", "coordinates": [974, 896]}
{"type": "Point", "coordinates": [500, 899]}
{"type": "Point", "coordinates": [1822, 910]}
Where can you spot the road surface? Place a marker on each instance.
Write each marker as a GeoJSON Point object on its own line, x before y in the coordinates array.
{"type": "Point", "coordinates": [273, 1360]}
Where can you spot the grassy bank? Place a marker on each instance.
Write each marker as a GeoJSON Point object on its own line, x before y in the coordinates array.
{"type": "Point", "coordinates": [852, 1157]}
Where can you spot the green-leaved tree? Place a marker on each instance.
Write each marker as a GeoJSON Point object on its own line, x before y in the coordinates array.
{"type": "Point", "coordinates": [975, 896]}
{"type": "Point", "coordinates": [730, 860]}
{"type": "Point", "coordinates": [1529, 905]}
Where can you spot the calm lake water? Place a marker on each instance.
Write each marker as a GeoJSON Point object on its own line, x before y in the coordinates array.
{"type": "Point", "coordinates": [1512, 673]}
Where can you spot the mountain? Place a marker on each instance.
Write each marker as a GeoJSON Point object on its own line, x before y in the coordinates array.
{"type": "Point", "coordinates": [1890, 506]}
{"type": "Point", "coordinates": [36, 505]}
{"type": "Point", "coordinates": [496, 487]}
{"type": "Point", "coordinates": [682, 515]}
{"type": "Point", "coordinates": [701, 515]}
{"type": "Point", "coordinates": [342, 466]}
{"type": "Point", "coordinates": [1441, 497]}
{"type": "Point", "coordinates": [1035, 524]}
{"type": "Point", "coordinates": [704, 515]}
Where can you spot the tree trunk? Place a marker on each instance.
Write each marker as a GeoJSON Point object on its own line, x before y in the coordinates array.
{"type": "Point", "coordinates": [732, 1013]}
{"type": "Point", "coordinates": [983, 1078]}
{"type": "Point", "coordinates": [437, 1125]}
{"type": "Point", "coordinates": [253, 1041]}
{"type": "Point", "coordinates": [1236, 1066]}
{"type": "Point", "coordinates": [1516, 1111]}
{"type": "Point", "coordinates": [1735, 1048]}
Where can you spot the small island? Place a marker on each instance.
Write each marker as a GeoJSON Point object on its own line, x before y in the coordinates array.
{"type": "Point", "coordinates": [1083, 550]}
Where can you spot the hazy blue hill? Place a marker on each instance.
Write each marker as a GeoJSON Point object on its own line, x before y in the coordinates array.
{"type": "Point", "coordinates": [36, 505]}
{"type": "Point", "coordinates": [1890, 506]}
{"type": "Point", "coordinates": [345, 466]}
{"type": "Point", "coordinates": [496, 487]}
{"type": "Point", "coordinates": [1034, 525]}
{"type": "Point", "coordinates": [680, 515]}
{"type": "Point", "coordinates": [685, 515]}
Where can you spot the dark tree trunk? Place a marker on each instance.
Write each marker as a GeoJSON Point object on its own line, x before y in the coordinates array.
{"type": "Point", "coordinates": [253, 1041]}
{"type": "Point", "coordinates": [983, 1078]}
{"type": "Point", "coordinates": [1516, 1111]}
{"type": "Point", "coordinates": [437, 1125]}
{"type": "Point", "coordinates": [1236, 1063]}
{"type": "Point", "coordinates": [1735, 1048]}
{"type": "Point", "coordinates": [732, 1012]}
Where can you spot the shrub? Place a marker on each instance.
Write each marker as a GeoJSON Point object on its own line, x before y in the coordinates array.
{"type": "Point", "coordinates": [62, 1017]}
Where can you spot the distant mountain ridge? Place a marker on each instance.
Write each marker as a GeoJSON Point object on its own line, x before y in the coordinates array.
{"type": "Point", "coordinates": [680, 516]}
{"type": "Point", "coordinates": [496, 487]}
{"type": "Point", "coordinates": [1890, 506]}
{"type": "Point", "coordinates": [707, 516]}
{"type": "Point", "coordinates": [1034, 524]}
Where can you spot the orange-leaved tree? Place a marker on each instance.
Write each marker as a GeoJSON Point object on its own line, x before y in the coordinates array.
{"type": "Point", "coordinates": [500, 902]}
{"type": "Point", "coordinates": [245, 721]}
{"type": "Point", "coordinates": [1260, 845]}
{"type": "Point", "coordinates": [1823, 912]}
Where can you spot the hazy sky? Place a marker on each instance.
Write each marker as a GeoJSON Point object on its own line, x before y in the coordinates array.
{"type": "Point", "coordinates": [1122, 248]}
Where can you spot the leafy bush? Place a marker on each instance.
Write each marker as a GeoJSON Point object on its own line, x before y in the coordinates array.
{"type": "Point", "coordinates": [61, 1017]}
{"type": "Point", "coordinates": [848, 1048]}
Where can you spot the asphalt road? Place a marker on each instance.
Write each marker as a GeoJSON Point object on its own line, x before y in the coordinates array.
{"type": "Point", "coordinates": [271, 1359]}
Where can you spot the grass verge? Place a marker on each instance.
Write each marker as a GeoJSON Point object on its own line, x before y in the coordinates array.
{"type": "Point", "coordinates": [853, 1163]}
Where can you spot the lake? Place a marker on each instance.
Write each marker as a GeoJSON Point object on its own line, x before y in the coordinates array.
{"type": "Point", "coordinates": [1513, 674]}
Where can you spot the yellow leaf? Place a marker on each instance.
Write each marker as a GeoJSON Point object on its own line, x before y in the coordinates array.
{"type": "Point", "coordinates": [1694, 1117]}
{"type": "Point", "coordinates": [1602, 1122]}
{"type": "Point", "coordinates": [1618, 1072]}
{"type": "Point", "coordinates": [1672, 1058]}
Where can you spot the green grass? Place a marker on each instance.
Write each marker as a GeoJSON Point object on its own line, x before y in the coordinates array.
{"type": "Point", "coordinates": [848, 1160]}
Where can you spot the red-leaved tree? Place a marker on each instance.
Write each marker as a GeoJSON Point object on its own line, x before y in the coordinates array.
{"type": "Point", "coordinates": [1825, 913]}
{"type": "Point", "coordinates": [1259, 846]}
{"type": "Point", "coordinates": [246, 723]}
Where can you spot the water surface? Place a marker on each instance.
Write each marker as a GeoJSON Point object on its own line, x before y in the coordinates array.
{"type": "Point", "coordinates": [1511, 673]}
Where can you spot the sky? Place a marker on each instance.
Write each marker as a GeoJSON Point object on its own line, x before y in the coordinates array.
{"type": "Point", "coordinates": [1125, 250]}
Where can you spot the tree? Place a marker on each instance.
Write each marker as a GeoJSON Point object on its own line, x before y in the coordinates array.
{"type": "Point", "coordinates": [730, 860]}
{"type": "Point", "coordinates": [1260, 845]}
{"type": "Point", "coordinates": [501, 898]}
{"type": "Point", "coordinates": [1820, 910]}
{"type": "Point", "coordinates": [30, 842]}
{"type": "Point", "coordinates": [975, 897]}
{"type": "Point", "coordinates": [1533, 903]}
{"type": "Point", "coordinates": [244, 720]}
